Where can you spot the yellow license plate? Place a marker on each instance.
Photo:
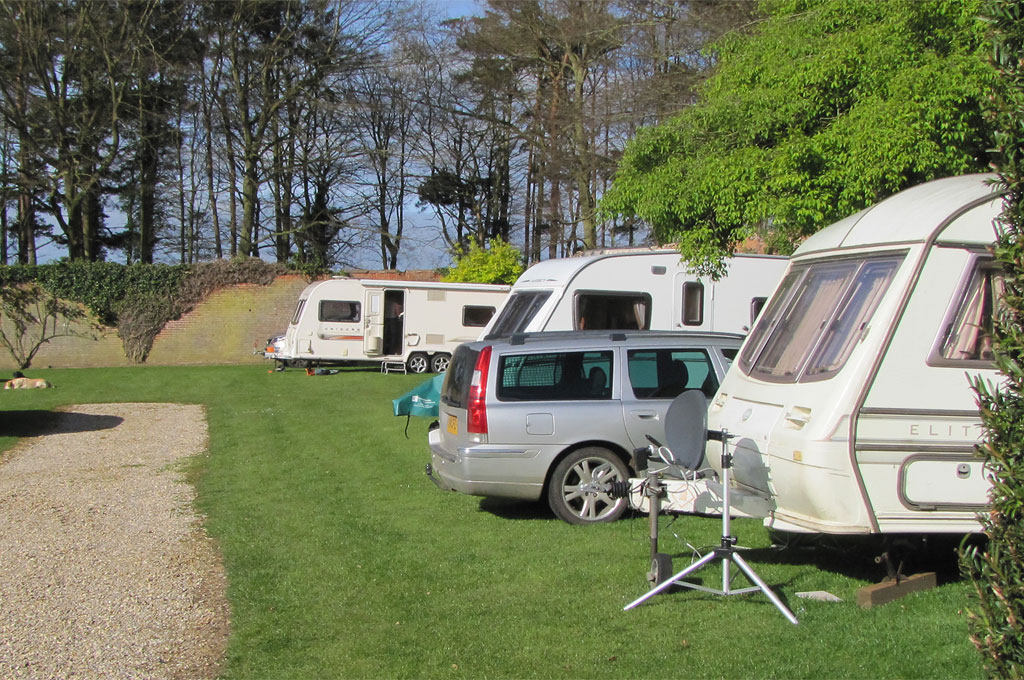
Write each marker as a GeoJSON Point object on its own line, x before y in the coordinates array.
{"type": "Point", "coordinates": [453, 425]}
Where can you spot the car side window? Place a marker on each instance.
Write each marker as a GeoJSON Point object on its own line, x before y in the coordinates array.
{"type": "Point", "coordinates": [666, 373]}
{"type": "Point", "coordinates": [555, 376]}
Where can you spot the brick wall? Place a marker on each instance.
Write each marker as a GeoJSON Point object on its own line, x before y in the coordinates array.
{"type": "Point", "coordinates": [223, 329]}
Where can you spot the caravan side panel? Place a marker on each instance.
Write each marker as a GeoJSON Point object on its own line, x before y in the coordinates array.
{"type": "Point", "coordinates": [634, 290]}
{"type": "Point", "coordinates": [916, 433]}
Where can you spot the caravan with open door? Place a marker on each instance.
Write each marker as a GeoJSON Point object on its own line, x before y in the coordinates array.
{"type": "Point", "coordinates": [636, 290]}
{"type": "Point", "coordinates": [412, 323]}
{"type": "Point", "coordinates": [850, 403]}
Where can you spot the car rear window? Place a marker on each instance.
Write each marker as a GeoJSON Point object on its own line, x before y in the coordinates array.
{"type": "Point", "coordinates": [555, 376]}
{"type": "Point", "coordinates": [455, 388]}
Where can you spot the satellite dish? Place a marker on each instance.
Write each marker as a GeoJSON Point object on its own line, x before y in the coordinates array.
{"type": "Point", "coordinates": [686, 426]}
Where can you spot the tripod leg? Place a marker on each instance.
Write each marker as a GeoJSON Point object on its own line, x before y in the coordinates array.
{"type": "Point", "coordinates": [765, 589]}
{"type": "Point", "coordinates": [668, 582]}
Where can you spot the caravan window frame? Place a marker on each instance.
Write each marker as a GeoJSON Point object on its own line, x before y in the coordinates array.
{"type": "Point", "coordinates": [809, 329]}
{"type": "Point", "coordinates": [584, 298]}
{"type": "Point", "coordinates": [355, 315]}
{"type": "Point", "coordinates": [692, 313]}
{"type": "Point", "coordinates": [299, 306]}
{"type": "Point", "coordinates": [982, 269]}
{"type": "Point", "coordinates": [471, 313]}
{"type": "Point", "coordinates": [518, 312]}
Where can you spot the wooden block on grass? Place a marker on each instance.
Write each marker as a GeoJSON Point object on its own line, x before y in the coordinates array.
{"type": "Point", "coordinates": [887, 591]}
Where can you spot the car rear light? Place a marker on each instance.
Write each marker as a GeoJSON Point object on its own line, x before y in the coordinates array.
{"type": "Point", "coordinates": [476, 408]}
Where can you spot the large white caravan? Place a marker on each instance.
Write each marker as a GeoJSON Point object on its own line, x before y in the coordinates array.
{"type": "Point", "coordinates": [850, 404]}
{"type": "Point", "coordinates": [418, 324]}
{"type": "Point", "coordinates": [636, 290]}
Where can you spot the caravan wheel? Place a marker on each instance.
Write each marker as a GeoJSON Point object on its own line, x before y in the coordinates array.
{"type": "Point", "coordinates": [418, 363]}
{"type": "Point", "coordinates": [439, 363]}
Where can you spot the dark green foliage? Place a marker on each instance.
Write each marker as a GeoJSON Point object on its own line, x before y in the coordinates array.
{"type": "Point", "coordinates": [997, 571]}
{"type": "Point", "coordinates": [100, 286]}
{"type": "Point", "coordinates": [826, 107]}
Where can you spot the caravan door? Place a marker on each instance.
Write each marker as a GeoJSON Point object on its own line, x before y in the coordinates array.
{"type": "Point", "coordinates": [373, 336]}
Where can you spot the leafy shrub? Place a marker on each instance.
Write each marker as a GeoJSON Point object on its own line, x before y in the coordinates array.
{"type": "Point", "coordinates": [500, 262]}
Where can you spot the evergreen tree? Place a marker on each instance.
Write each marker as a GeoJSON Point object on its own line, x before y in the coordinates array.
{"type": "Point", "coordinates": [996, 618]}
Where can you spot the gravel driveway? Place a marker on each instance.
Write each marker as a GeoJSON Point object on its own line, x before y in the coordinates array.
{"type": "Point", "coordinates": [105, 570]}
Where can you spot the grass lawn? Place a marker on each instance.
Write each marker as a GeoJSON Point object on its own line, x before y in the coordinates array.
{"type": "Point", "coordinates": [344, 561]}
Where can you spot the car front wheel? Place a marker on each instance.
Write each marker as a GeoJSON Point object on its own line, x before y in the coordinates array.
{"type": "Point", "coordinates": [580, 489]}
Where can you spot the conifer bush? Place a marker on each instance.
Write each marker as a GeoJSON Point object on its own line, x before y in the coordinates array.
{"type": "Point", "coordinates": [996, 614]}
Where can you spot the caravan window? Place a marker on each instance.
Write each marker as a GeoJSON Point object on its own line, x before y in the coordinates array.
{"type": "Point", "coordinates": [756, 305]}
{"type": "Point", "coordinates": [339, 311]}
{"type": "Point", "coordinates": [476, 316]}
{"type": "Point", "coordinates": [607, 310]}
{"type": "Point", "coordinates": [815, 319]}
{"type": "Point", "coordinates": [693, 303]}
{"type": "Point", "coordinates": [298, 310]}
{"type": "Point", "coordinates": [968, 336]}
{"type": "Point", "coordinates": [518, 312]}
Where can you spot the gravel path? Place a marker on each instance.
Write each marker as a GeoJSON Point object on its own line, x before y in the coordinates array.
{"type": "Point", "coordinates": [105, 570]}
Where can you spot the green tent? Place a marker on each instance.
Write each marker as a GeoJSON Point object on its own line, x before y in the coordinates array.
{"type": "Point", "coordinates": [422, 400]}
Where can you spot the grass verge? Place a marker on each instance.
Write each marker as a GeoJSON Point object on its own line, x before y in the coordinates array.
{"type": "Point", "coordinates": [344, 561]}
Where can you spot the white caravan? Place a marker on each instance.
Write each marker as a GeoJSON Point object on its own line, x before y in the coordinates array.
{"type": "Point", "coordinates": [636, 290]}
{"type": "Point", "coordinates": [850, 404]}
{"type": "Point", "coordinates": [418, 324]}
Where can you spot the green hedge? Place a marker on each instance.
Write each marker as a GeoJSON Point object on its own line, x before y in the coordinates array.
{"type": "Point", "coordinates": [139, 299]}
{"type": "Point", "coordinates": [101, 286]}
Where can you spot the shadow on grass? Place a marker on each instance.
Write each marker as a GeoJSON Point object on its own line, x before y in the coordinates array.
{"type": "Point", "coordinates": [36, 423]}
{"type": "Point", "coordinates": [864, 557]}
{"type": "Point", "coordinates": [513, 509]}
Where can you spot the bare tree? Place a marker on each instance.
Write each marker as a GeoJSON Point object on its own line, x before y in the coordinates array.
{"type": "Point", "coordinates": [35, 316]}
{"type": "Point", "coordinates": [66, 99]}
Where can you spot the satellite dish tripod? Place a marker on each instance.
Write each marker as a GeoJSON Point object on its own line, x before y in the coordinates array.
{"type": "Point", "coordinates": [726, 552]}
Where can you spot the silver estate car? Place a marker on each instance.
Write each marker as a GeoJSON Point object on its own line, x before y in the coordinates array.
{"type": "Point", "coordinates": [557, 415]}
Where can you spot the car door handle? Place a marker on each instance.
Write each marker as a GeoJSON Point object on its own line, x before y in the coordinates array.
{"type": "Point", "coordinates": [645, 415]}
